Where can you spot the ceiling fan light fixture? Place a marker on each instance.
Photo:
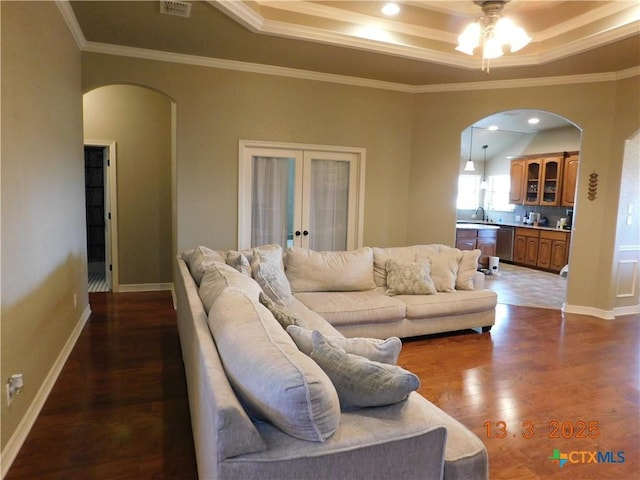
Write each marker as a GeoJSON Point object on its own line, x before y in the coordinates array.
{"type": "Point", "coordinates": [491, 31]}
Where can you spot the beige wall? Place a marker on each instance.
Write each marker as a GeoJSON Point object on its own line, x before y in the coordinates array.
{"type": "Point", "coordinates": [216, 108]}
{"type": "Point", "coordinates": [607, 112]}
{"type": "Point", "coordinates": [139, 121]}
{"type": "Point", "coordinates": [412, 146]}
{"type": "Point", "coordinates": [43, 236]}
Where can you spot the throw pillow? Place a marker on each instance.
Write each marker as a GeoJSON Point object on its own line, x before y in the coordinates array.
{"type": "Point", "coordinates": [409, 278]}
{"type": "Point", "coordinates": [444, 268]}
{"type": "Point", "coordinates": [383, 351]}
{"type": "Point", "coordinates": [361, 382]}
{"type": "Point", "coordinates": [467, 267]}
{"type": "Point", "coordinates": [268, 270]}
{"type": "Point", "coordinates": [240, 262]}
{"type": "Point", "coordinates": [200, 259]}
{"type": "Point", "coordinates": [283, 315]}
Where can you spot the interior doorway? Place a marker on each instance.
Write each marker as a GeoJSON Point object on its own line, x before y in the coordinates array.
{"type": "Point", "coordinates": [100, 199]}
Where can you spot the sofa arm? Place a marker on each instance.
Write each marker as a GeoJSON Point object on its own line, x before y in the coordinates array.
{"type": "Point", "coordinates": [478, 280]}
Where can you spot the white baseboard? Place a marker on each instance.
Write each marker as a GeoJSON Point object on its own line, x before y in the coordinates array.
{"type": "Point", "coordinates": [145, 287]}
{"type": "Point", "coordinates": [604, 314]}
{"type": "Point", "coordinates": [10, 452]}
{"type": "Point", "coordinates": [621, 311]}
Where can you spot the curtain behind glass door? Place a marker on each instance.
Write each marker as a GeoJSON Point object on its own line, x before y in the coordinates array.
{"type": "Point", "coordinates": [329, 205]}
{"type": "Point", "coordinates": [272, 201]}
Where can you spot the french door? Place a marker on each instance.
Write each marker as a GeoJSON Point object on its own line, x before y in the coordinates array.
{"type": "Point", "coordinates": [299, 195]}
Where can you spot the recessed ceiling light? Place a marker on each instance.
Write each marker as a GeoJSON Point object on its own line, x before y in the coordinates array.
{"type": "Point", "coordinates": [493, 128]}
{"type": "Point", "coordinates": [533, 121]}
{"type": "Point", "coordinates": [390, 9]}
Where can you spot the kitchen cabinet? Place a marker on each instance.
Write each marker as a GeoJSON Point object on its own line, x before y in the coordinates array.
{"type": "Point", "coordinates": [483, 239]}
{"type": "Point", "coordinates": [570, 179]}
{"type": "Point", "coordinates": [551, 182]}
{"type": "Point", "coordinates": [517, 170]}
{"type": "Point", "coordinates": [533, 174]}
{"type": "Point", "coordinates": [546, 179]}
{"type": "Point", "coordinates": [544, 249]}
{"type": "Point", "coordinates": [525, 251]}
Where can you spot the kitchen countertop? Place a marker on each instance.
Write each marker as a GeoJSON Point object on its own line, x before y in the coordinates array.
{"type": "Point", "coordinates": [467, 224]}
{"type": "Point", "coordinates": [477, 226]}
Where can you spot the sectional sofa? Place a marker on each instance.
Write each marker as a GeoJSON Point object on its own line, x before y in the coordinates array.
{"type": "Point", "coordinates": [290, 360]}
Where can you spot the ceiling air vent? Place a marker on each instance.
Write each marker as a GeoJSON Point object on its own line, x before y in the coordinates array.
{"type": "Point", "coordinates": [180, 9]}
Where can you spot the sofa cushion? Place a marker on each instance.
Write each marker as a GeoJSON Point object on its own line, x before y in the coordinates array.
{"type": "Point", "coordinates": [467, 268]}
{"type": "Point", "coordinates": [268, 270]}
{"type": "Point", "coordinates": [201, 258]}
{"type": "Point", "coordinates": [445, 304]}
{"type": "Point", "coordinates": [384, 351]}
{"type": "Point", "coordinates": [382, 255]}
{"type": "Point", "coordinates": [444, 268]}
{"type": "Point", "coordinates": [359, 381]}
{"type": "Point", "coordinates": [274, 379]}
{"type": "Point", "coordinates": [345, 308]}
{"type": "Point", "coordinates": [311, 271]}
{"type": "Point", "coordinates": [220, 276]}
{"type": "Point", "coordinates": [409, 278]}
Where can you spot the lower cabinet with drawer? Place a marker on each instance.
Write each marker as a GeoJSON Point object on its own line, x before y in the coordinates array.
{"type": "Point", "coordinates": [544, 249]}
{"type": "Point", "coordinates": [484, 239]}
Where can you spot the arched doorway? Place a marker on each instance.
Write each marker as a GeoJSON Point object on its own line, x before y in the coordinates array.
{"type": "Point", "coordinates": [492, 144]}
{"type": "Point", "coordinates": [136, 124]}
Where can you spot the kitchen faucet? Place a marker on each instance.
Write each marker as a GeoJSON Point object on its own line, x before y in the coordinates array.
{"type": "Point", "coordinates": [475, 214]}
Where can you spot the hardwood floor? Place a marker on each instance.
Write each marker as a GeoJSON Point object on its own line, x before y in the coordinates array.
{"type": "Point", "coordinates": [119, 409]}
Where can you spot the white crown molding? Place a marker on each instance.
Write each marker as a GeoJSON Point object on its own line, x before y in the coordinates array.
{"type": "Point", "coordinates": [156, 55]}
{"type": "Point", "coordinates": [258, 24]}
{"type": "Point", "coordinates": [72, 22]}
{"type": "Point", "coordinates": [587, 18]}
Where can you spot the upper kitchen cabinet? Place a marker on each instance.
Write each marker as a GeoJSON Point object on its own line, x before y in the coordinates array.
{"type": "Point", "coordinates": [533, 175]}
{"type": "Point", "coordinates": [551, 181]}
{"type": "Point", "coordinates": [545, 179]}
{"type": "Point", "coordinates": [516, 193]}
{"type": "Point", "coordinates": [570, 178]}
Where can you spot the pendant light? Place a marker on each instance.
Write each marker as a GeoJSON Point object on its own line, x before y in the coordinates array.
{"type": "Point", "coordinates": [469, 167]}
{"type": "Point", "coordinates": [483, 183]}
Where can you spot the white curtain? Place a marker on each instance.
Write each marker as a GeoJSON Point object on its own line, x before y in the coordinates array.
{"type": "Point", "coordinates": [329, 205]}
{"type": "Point", "coordinates": [270, 200]}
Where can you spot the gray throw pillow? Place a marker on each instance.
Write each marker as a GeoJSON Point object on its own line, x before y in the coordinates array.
{"type": "Point", "coordinates": [409, 278]}
{"type": "Point", "coordinates": [361, 382]}
{"type": "Point", "coordinates": [283, 315]}
{"type": "Point", "coordinates": [384, 351]}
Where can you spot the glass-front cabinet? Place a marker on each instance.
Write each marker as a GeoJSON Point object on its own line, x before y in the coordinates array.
{"type": "Point", "coordinates": [533, 172]}
{"type": "Point", "coordinates": [551, 181]}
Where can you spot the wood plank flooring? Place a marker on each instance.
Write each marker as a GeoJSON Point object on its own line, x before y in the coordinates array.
{"type": "Point", "coordinates": [119, 409]}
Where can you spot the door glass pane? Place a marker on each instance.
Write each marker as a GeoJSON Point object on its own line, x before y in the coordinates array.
{"type": "Point", "coordinates": [329, 204]}
{"type": "Point", "coordinates": [272, 201]}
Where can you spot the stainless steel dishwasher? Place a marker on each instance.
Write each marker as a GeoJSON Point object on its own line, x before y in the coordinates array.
{"type": "Point", "coordinates": [504, 244]}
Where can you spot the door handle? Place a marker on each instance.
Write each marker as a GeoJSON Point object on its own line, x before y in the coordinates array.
{"type": "Point", "coordinates": [305, 233]}
{"type": "Point", "coordinates": [297, 233]}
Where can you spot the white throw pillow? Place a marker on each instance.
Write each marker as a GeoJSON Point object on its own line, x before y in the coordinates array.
{"type": "Point", "coordinates": [444, 268]}
{"type": "Point", "coordinates": [201, 258]}
{"type": "Point", "coordinates": [268, 270]}
{"type": "Point", "coordinates": [220, 276]}
{"type": "Point", "coordinates": [467, 268]}
{"type": "Point", "coordinates": [409, 278]}
{"type": "Point", "coordinates": [311, 271]}
{"type": "Point", "coordinates": [383, 351]}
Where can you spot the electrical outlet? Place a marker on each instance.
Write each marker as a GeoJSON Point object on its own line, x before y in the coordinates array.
{"type": "Point", "coordinates": [14, 387]}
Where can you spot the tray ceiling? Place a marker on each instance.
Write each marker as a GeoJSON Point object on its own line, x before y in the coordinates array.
{"type": "Point", "coordinates": [353, 38]}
